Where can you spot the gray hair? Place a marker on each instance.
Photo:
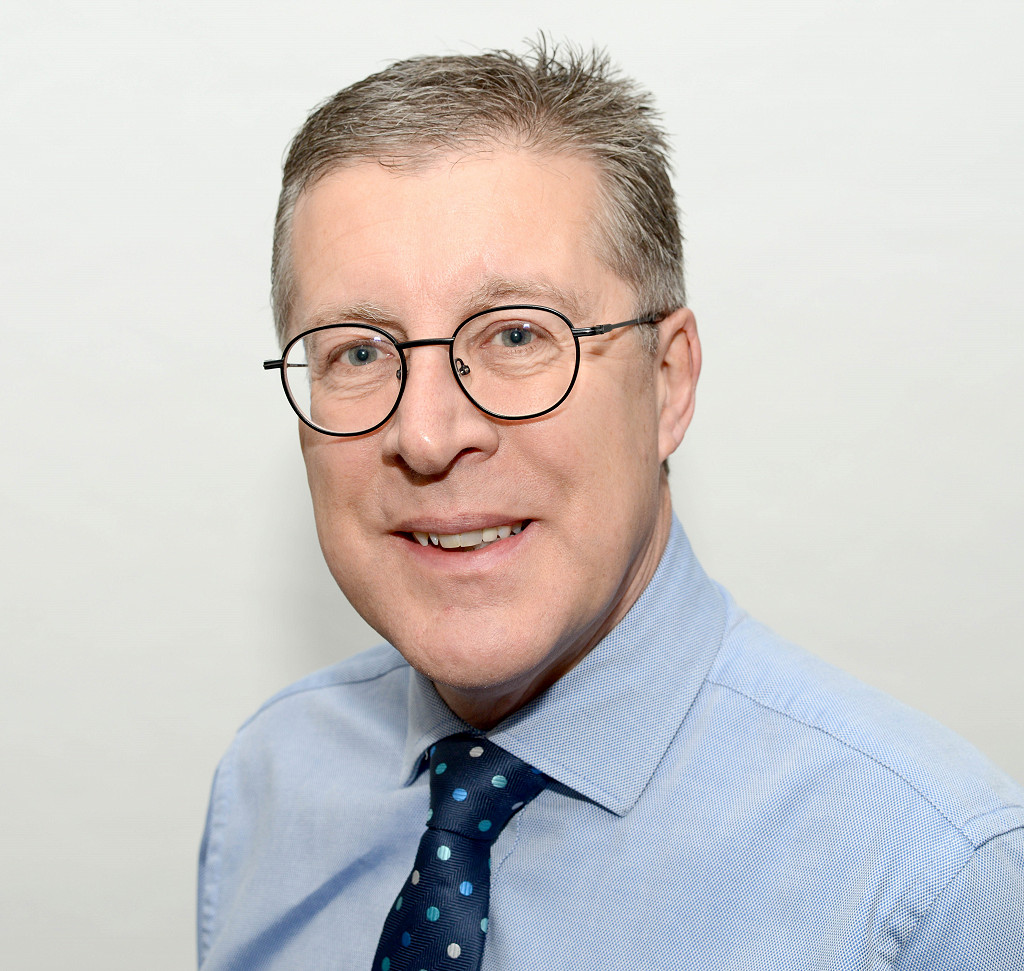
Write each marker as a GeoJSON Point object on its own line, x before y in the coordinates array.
{"type": "Point", "coordinates": [553, 101]}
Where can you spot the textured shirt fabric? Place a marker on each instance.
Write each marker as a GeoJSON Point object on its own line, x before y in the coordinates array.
{"type": "Point", "coordinates": [720, 800]}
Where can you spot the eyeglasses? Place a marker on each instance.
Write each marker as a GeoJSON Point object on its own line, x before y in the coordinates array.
{"type": "Point", "coordinates": [513, 363]}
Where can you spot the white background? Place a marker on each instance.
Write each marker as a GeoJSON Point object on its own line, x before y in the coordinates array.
{"type": "Point", "coordinates": [851, 178]}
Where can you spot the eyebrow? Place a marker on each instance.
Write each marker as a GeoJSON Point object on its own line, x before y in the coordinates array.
{"type": "Point", "coordinates": [499, 290]}
{"type": "Point", "coordinates": [491, 292]}
{"type": "Point", "coordinates": [358, 313]}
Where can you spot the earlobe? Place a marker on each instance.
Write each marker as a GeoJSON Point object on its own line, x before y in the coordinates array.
{"type": "Point", "coordinates": [678, 367]}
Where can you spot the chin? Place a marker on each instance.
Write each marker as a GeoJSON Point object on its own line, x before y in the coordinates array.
{"type": "Point", "coordinates": [474, 660]}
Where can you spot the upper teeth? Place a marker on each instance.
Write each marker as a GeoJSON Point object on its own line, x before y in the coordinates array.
{"type": "Point", "coordinates": [473, 539]}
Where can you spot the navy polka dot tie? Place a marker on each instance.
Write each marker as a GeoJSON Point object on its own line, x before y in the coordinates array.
{"type": "Point", "coordinates": [439, 920]}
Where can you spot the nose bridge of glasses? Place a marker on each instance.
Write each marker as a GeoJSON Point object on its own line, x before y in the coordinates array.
{"type": "Point", "coordinates": [403, 346]}
{"type": "Point", "coordinates": [460, 368]}
{"type": "Point", "coordinates": [425, 342]}
{"type": "Point", "coordinates": [430, 389]}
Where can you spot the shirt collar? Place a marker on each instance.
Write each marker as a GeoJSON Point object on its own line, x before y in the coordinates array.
{"type": "Point", "coordinates": [604, 726]}
{"type": "Point", "coordinates": [430, 719]}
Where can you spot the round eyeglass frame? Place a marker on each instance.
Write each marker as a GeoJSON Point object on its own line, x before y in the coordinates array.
{"type": "Point", "coordinates": [402, 346]}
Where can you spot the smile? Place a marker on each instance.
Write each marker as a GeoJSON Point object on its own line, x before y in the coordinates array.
{"type": "Point", "coordinates": [474, 539]}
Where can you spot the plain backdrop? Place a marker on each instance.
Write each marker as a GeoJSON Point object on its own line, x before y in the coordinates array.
{"type": "Point", "coordinates": [851, 180]}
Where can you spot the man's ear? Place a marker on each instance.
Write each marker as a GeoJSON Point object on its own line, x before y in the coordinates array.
{"type": "Point", "coordinates": [677, 367]}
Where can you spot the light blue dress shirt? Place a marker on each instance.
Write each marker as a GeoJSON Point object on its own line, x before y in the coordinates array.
{"type": "Point", "coordinates": [722, 800]}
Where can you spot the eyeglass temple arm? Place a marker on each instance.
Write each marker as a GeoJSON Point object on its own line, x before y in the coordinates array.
{"type": "Point", "coordinates": [270, 365]}
{"type": "Point", "coordinates": [604, 328]}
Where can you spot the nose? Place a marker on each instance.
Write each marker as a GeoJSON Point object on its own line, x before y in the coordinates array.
{"type": "Point", "coordinates": [436, 425]}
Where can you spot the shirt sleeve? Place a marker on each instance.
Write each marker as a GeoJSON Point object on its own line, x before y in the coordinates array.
{"type": "Point", "coordinates": [977, 922]}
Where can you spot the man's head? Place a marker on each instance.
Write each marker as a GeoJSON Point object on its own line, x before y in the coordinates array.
{"type": "Point", "coordinates": [414, 236]}
{"type": "Point", "coordinates": [422, 109]}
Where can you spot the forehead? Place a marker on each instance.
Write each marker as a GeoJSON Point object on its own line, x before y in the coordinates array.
{"type": "Point", "coordinates": [423, 240]}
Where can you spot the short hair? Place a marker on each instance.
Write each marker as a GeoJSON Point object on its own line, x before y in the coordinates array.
{"type": "Point", "coordinates": [558, 101]}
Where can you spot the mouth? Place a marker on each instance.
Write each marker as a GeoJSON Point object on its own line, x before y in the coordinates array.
{"type": "Point", "coordinates": [474, 539]}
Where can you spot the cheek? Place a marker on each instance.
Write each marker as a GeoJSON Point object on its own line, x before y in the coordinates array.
{"type": "Point", "coordinates": [317, 459]}
{"type": "Point", "coordinates": [337, 473]}
{"type": "Point", "coordinates": [606, 470]}
{"type": "Point", "coordinates": [625, 435]}
{"type": "Point", "coordinates": [343, 497]}
{"type": "Point", "coordinates": [630, 473]}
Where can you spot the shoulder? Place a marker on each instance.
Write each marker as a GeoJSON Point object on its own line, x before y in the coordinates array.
{"type": "Point", "coordinates": [868, 731]}
{"type": "Point", "coordinates": [347, 716]}
{"type": "Point", "coordinates": [369, 674]}
{"type": "Point", "coordinates": [891, 791]}
{"type": "Point", "coordinates": [324, 741]}
{"type": "Point", "coordinates": [362, 700]}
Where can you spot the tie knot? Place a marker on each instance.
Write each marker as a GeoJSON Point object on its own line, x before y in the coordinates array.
{"type": "Point", "coordinates": [476, 787]}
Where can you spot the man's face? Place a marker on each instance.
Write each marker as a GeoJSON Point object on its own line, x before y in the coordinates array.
{"type": "Point", "coordinates": [417, 252]}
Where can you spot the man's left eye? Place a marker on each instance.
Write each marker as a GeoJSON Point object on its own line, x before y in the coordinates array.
{"type": "Point", "coordinates": [515, 336]}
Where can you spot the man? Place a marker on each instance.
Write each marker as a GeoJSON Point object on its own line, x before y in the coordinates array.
{"type": "Point", "coordinates": [666, 784]}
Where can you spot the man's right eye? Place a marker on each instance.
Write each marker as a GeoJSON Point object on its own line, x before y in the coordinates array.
{"type": "Point", "coordinates": [363, 354]}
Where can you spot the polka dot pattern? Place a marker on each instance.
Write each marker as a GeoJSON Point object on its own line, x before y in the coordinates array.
{"type": "Point", "coordinates": [439, 919]}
